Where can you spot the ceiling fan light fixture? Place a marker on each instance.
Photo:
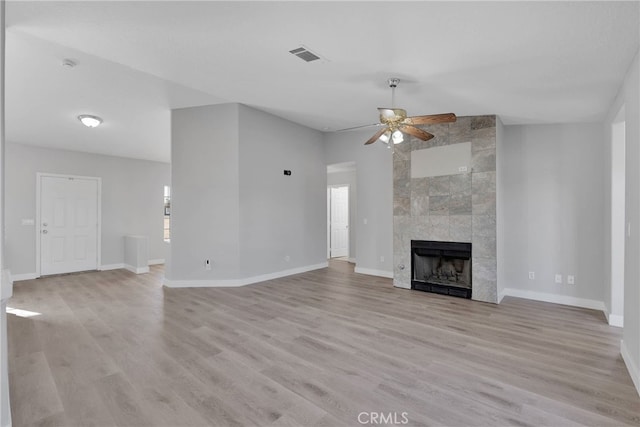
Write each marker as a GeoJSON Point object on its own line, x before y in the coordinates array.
{"type": "Point", "coordinates": [89, 120]}
{"type": "Point", "coordinates": [397, 137]}
{"type": "Point", "coordinates": [396, 122]}
{"type": "Point", "coordinates": [385, 137]}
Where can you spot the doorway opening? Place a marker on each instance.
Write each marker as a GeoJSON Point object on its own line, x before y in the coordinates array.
{"type": "Point", "coordinates": [68, 229]}
{"type": "Point", "coordinates": [338, 221]}
{"type": "Point", "coordinates": [341, 211]}
{"type": "Point", "coordinates": [616, 314]}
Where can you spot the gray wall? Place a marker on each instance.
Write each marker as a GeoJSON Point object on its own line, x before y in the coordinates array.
{"type": "Point", "coordinates": [553, 194]}
{"type": "Point", "coordinates": [280, 216]}
{"type": "Point", "coordinates": [232, 203]}
{"type": "Point", "coordinates": [205, 211]}
{"type": "Point", "coordinates": [348, 178]}
{"type": "Point", "coordinates": [629, 96]}
{"type": "Point", "coordinates": [5, 407]}
{"type": "Point", "coordinates": [132, 200]}
{"type": "Point", "coordinates": [501, 235]}
{"type": "Point", "coordinates": [374, 199]}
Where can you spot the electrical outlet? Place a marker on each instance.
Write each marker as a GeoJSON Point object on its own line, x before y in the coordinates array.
{"type": "Point", "coordinates": [571, 280]}
{"type": "Point", "coordinates": [558, 278]}
{"type": "Point", "coordinates": [287, 258]}
{"type": "Point", "coordinates": [207, 264]}
{"type": "Point", "coordinates": [532, 275]}
{"type": "Point", "coordinates": [382, 259]}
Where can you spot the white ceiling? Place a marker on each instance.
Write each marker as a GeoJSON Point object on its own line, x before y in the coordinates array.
{"type": "Point", "coordinates": [529, 62]}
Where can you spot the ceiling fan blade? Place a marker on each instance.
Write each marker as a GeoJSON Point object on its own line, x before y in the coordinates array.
{"type": "Point", "coordinates": [418, 133]}
{"type": "Point", "coordinates": [375, 137]}
{"type": "Point", "coordinates": [360, 127]}
{"type": "Point", "coordinates": [430, 120]}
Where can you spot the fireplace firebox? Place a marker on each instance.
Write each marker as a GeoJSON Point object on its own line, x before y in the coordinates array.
{"type": "Point", "coordinates": [441, 267]}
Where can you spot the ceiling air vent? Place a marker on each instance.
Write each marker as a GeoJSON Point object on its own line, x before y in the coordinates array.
{"type": "Point", "coordinates": [305, 54]}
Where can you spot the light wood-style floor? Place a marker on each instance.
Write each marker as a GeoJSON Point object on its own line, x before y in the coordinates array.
{"type": "Point", "coordinates": [315, 349]}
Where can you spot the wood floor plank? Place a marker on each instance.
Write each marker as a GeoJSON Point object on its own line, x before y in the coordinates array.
{"type": "Point", "coordinates": [313, 349]}
{"type": "Point", "coordinates": [31, 383]}
{"type": "Point", "coordinates": [122, 401]}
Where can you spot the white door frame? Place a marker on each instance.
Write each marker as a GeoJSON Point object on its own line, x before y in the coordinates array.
{"type": "Point", "coordinates": [329, 187]}
{"type": "Point", "coordinates": [38, 228]}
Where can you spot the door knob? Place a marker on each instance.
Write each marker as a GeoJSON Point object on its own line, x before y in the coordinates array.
{"type": "Point", "coordinates": [44, 224]}
{"type": "Point", "coordinates": [44, 231]}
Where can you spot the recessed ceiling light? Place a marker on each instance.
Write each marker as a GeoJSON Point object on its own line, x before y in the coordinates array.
{"type": "Point", "coordinates": [90, 121]}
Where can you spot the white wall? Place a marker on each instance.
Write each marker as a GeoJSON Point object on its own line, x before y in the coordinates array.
{"type": "Point", "coordinates": [348, 178]}
{"type": "Point", "coordinates": [629, 97]}
{"type": "Point", "coordinates": [232, 203]}
{"type": "Point", "coordinates": [374, 199]}
{"type": "Point", "coordinates": [553, 191]}
{"type": "Point", "coordinates": [132, 200]}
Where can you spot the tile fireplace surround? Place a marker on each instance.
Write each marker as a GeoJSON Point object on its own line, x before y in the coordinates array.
{"type": "Point", "coordinates": [450, 208]}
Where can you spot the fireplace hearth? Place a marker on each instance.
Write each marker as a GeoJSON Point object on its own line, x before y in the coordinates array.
{"type": "Point", "coordinates": [441, 267]}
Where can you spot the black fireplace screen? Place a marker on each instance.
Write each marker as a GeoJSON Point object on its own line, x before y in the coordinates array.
{"type": "Point", "coordinates": [441, 267]}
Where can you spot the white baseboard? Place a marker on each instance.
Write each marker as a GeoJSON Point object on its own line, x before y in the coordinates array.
{"type": "Point", "coordinates": [615, 320]}
{"type": "Point", "coordinates": [554, 298]}
{"type": "Point", "coordinates": [106, 267]}
{"type": "Point", "coordinates": [111, 267]}
{"type": "Point", "coordinates": [241, 282]}
{"type": "Point", "coordinates": [372, 272]}
{"type": "Point", "coordinates": [24, 276]}
{"type": "Point", "coordinates": [128, 267]}
{"type": "Point", "coordinates": [137, 270]}
{"type": "Point", "coordinates": [631, 366]}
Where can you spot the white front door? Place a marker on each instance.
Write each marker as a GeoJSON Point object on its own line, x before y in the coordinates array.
{"type": "Point", "coordinates": [339, 221]}
{"type": "Point", "coordinates": [68, 224]}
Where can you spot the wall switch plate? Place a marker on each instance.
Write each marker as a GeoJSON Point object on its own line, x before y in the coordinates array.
{"type": "Point", "coordinates": [28, 221]}
{"type": "Point", "coordinates": [462, 169]}
{"type": "Point", "coordinates": [382, 258]}
{"type": "Point", "coordinates": [571, 280]}
{"type": "Point", "coordinates": [532, 275]}
{"type": "Point", "coordinates": [558, 278]}
{"type": "Point", "coordinates": [365, 221]}
{"type": "Point", "coordinates": [287, 258]}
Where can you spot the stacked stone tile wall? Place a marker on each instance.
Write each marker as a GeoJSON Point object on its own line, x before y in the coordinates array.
{"type": "Point", "coordinates": [451, 208]}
